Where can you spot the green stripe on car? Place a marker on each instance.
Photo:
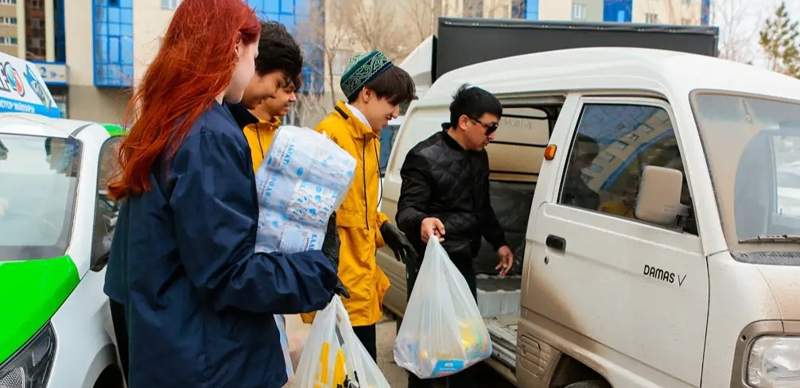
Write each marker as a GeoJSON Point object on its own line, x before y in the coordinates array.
{"type": "Point", "coordinates": [31, 291]}
{"type": "Point", "coordinates": [114, 129]}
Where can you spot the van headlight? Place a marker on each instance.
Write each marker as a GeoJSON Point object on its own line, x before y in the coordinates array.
{"type": "Point", "coordinates": [30, 366]}
{"type": "Point", "coordinates": [774, 362]}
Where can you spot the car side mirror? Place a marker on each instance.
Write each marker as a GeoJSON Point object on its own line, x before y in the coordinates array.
{"type": "Point", "coordinates": [659, 199]}
{"type": "Point", "coordinates": [105, 220]}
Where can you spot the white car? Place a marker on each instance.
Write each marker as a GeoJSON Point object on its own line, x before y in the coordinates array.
{"type": "Point", "coordinates": [56, 223]}
{"type": "Point", "coordinates": [658, 242]}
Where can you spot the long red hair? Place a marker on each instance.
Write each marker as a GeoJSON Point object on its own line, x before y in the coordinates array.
{"type": "Point", "coordinates": [193, 66]}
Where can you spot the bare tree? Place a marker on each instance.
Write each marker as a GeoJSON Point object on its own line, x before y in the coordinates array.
{"type": "Point", "coordinates": [322, 31]}
{"type": "Point", "coordinates": [423, 16]}
{"type": "Point", "coordinates": [341, 29]}
{"type": "Point", "coordinates": [738, 22]}
{"type": "Point", "coordinates": [311, 108]}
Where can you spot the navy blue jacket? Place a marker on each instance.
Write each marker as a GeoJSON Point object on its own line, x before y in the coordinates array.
{"type": "Point", "coordinates": [199, 301]}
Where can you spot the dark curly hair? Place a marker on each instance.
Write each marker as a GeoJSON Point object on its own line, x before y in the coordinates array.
{"type": "Point", "coordinates": [278, 51]}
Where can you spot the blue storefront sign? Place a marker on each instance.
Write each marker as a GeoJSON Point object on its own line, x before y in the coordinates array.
{"type": "Point", "coordinates": [52, 73]}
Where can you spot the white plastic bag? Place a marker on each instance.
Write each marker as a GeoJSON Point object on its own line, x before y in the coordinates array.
{"type": "Point", "coordinates": [334, 357]}
{"type": "Point", "coordinates": [302, 180]}
{"type": "Point", "coordinates": [442, 331]}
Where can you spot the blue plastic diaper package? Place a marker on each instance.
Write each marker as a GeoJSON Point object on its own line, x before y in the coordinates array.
{"type": "Point", "coordinates": [301, 182]}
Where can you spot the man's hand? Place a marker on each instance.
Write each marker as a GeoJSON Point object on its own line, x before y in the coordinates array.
{"type": "Point", "coordinates": [505, 260]}
{"type": "Point", "coordinates": [397, 241]}
{"type": "Point", "coordinates": [432, 226]}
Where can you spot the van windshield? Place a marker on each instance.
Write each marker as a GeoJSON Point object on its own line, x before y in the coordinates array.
{"type": "Point", "coordinates": [753, 150]}
{"type": "Point", "coordinates": [38, 180]}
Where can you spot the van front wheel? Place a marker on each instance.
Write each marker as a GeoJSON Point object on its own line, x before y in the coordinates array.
{"type": "Point", "coordinates": [589, 384]}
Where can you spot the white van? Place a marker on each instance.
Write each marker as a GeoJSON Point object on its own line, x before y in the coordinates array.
{"type": "Point", "coordinates": [659, 243]}
{"type": "Point", "coordinates": [56, 221]}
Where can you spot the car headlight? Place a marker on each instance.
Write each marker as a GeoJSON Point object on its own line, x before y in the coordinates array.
{"type": "Point", "coordinates": [30, 367]}
{"type": "Point", "coordinates": [774, 362]}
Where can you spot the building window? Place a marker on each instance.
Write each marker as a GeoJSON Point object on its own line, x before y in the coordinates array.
{"type": "Point", "coordinates": [651, 18]}
{"type": "Point", "coordinates": [61, 49]}
{"type": "Point", "coordinates": [294, 14]}
{"type": "Point", "coordinates": [578, 11]}
{"type": "Point", "coordinates": [8, 40]}
{"type": "Point", "coordinates": [169, 4]}
{"type": "Point", "coordinates": [532, 9]}
{"type": "Point", "coordinates": [705, 12]}
{"type": "Point", "coordinates": [8, 2]}
{"type": "Point", "coordinates": [113, 43]}
{"type": "Point", "coordinates": [8, 20]}
{"type": "Point", "coordinates": [35, 48]}
{"type": "Point", "coordinates": [619, 11]}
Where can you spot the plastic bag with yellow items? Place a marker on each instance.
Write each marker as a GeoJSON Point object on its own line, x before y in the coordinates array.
{"type": "Point", "coordinates": [442, 331]}
{"type": "Point", "coordinates": [333, 357]}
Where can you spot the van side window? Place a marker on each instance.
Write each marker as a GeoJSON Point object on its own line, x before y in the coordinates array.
{"type": "Point", "coordinates": [388, 135]}
{"type": "Point", "coordinates": [612, 146]}
{"type": "Point", "coordinates": [106, 208]}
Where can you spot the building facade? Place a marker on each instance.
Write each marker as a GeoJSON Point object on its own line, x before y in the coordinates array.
{"type": "Point", "coordinates": [28, 29]}
{"type": "Point", "coordinates": [680, 12]}
{"type": "Point", "coordinates": [126, 35]}
{"type": "Point", "coordinates": [676, 12]}
{"type": "Point", "coordinates": [12, 27]}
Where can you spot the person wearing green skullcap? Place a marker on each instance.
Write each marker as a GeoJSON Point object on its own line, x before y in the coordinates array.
{"type": "Point", "coordinates": [374, 89]}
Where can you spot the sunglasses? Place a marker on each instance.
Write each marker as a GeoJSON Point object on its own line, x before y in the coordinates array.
{"type": "Point", "coordinates": [490, 128]}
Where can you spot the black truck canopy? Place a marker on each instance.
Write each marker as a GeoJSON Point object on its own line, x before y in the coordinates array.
{"type": "Point", "coordinates": [462, 42]}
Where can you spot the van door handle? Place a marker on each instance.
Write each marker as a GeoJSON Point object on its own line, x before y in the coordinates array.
{"type": "Point", "coordinates": [556, 243]}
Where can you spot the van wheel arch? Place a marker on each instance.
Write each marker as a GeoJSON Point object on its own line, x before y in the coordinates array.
{"type": "Point", "coordinates": [571, 373]}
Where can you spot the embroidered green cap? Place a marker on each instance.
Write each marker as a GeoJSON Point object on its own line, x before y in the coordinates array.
{"type": "Point", "coordinates": [361, 70]}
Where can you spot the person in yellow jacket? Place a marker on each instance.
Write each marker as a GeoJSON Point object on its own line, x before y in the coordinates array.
{"type": "Point", "coordinates": [278, 67]}
{"type": "Point", "coordinates": [375, 89]}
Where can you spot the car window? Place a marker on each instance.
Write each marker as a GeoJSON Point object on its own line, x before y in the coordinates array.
{"type": "Point", "coordinates": [787, 162]}
{"type": "Point", "coordinates": [38, 187]}
{"type": "Point", "coordinates": [612, 146]}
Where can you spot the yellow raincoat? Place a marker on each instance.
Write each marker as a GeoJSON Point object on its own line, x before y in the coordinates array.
{"type": "Point", "coordinates": [259, 137]}
{"type": "Point", "coordinates": [358, 219]}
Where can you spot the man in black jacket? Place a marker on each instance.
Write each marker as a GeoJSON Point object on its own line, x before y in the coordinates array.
{"type": "Point", "coordinates": [445, 192]}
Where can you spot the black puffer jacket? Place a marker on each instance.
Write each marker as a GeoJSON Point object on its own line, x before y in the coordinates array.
{"type": "Point", "coordinates": [442, 180]}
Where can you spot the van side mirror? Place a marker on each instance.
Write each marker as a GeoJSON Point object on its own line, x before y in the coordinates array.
{"type": "Point", "coordinates": [659, 199]}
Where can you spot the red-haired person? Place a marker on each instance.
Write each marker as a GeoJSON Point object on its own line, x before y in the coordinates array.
{"type": "Point", "coordinates": [198, 302]}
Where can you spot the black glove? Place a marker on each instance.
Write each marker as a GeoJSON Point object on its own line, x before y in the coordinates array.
{"type": "Point", "coordinates": [330, 248]}
{"type": "Point", "coordinates": [397, 241]}
{"type": "Point", "coordinates": [330, 245]}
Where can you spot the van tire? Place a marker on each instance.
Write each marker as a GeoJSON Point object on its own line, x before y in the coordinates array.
{"type": "Point", "coordinates": [589, 384]}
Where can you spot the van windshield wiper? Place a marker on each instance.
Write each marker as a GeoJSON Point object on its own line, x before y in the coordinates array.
{"type": "Point", "coordinates": [779, 238]}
